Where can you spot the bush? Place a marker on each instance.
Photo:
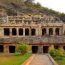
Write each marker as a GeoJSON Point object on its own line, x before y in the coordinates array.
{"type": "Point", "coordinates": [53, 52]}
{"type": "Point", "coordinates": [61, 52]}
{"type": "Point", "coordinates": [22, 48]}
{"type": "Point", "coordinates": [57, 53]}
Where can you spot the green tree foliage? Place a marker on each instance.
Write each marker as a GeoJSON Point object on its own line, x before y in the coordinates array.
{"type": "Point", "coordinates": [16, 1]}
{"type": "Point", "coordinates": [13, 1]}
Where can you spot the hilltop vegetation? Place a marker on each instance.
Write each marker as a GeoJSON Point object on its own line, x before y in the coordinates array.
{"type": "Point", "coordinates": [28, 6]}
{"type": "Point", "coordinates": [16, 1]}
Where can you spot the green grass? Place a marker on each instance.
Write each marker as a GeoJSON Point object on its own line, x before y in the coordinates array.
{"type": "Point", "coordinates": [13, 60]}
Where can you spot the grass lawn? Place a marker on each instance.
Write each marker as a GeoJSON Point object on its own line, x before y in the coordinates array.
{"type": "Point", "coordinates": [14, 60]}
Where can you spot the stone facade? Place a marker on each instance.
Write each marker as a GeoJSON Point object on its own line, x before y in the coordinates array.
{"type": "Point", "coordinates": [39, 30]}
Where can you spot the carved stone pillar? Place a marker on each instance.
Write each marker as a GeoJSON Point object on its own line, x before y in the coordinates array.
{"type": "Point", "coordinates": [47, 31]}
{"type": "Point", "coordinates": [60, 31]}
{"type": "Point", "coordinates": [40, 49]}
{"type": "Point", "coordinates": [10, 32]}
{"type": "Point", "coordinates": [6, 49]}
{"type": "Point", "coordinates": [37, 32]}
{"type": "Point", "coordinates": [17, 32]}
{"type": "Point", "coordinates": [29, 31]}
{"type": "Point", "coordinates": [23, 31]}
{"type": "Point", "coordinates": [54, 31]}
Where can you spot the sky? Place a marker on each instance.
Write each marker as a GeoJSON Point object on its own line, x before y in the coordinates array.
{"type": "Point", "coordinates": [57, 5]}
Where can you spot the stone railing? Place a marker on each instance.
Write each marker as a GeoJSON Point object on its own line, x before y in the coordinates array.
{"type": "Point", "coordinates": [32, 40]}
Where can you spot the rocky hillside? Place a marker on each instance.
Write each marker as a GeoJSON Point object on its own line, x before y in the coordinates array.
{"type": "Point", "coordinates": [27, 6]}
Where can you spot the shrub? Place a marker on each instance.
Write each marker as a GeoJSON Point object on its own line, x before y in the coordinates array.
{"type": "Point", "coordinates": [22, 48]}
{"type": "Point", "coordinates": [57, 53]}
{"type": "Point", "coordinates": [61, 52]}
{"type": "Point", "coordinates": [53, 52]}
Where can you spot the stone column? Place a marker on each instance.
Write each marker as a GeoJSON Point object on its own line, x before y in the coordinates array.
{"type": "Point", "coordinates": [23, 31]}
{"type": "Point", "coordinates": [17, 31]}
{"type": "Point", "coordinates": [2, 32]}
{"type": "Point", "coordinates": [54, 31]}
{"type": "Point", "coordinates": [40, 49]}
{"type": "Point", "coordinates": [10, 32]}
{"type": "Point", "coordinates": [47, 31]}
{"type": "Point", "coordinates": [37, 31]}
{"type": "Point", "coordinates": [29, 31]}
{"type": "Point", "coordinates": [60, 31]}
{"type": "Point", "coordinates": [6, 49]}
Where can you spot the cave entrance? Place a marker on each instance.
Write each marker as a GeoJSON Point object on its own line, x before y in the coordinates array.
{"type": "Point", "coordinates": [34, 49]}
{"type": "Point", "coordinates": [56, 47]}
{"type": "Point", "coordinates": [11, 49]}
{"type": "Point", "coordinates": [1, 49]}
{"type": "Point", "coordinates": [6, 31]}
{"type": "Point", "coordinates": [26, 32]}
{"type": "Point", "coordinates": [45, 49]}
{"type": "Point", "coordinates": [14, 32]}
{"type": "Point", "coordinates": [64, 47]}
{"type": "Point", "coordinates": [57, 31]}
{"type": "Point", "coordinates": [20, 32]}
{"type": "Point", "coordinates": [33, 32]}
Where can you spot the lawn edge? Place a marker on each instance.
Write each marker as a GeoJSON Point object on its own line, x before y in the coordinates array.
{"type": "Point", "coordinates": [53, 61]}
{"type": "Point", "coordinates": [28, 61]}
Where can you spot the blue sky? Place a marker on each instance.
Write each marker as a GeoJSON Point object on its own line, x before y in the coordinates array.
{"type": "Point", "coordinates": [58, 5]}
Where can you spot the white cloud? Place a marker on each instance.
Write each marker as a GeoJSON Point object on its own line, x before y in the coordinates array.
{"type": "Point", "coordinates": [58, 5]}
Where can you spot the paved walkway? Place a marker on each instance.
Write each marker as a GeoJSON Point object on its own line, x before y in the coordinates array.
{"type": "Point", "coordinates": [41, 60]}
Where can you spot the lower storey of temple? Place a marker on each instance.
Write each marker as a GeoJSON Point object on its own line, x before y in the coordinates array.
{"type": "Point", "coordinates": [45, 48]}
{"type": "Point", "coordinates": [11, 48]}
{"type": "Point", "coordinates": [7, 48]}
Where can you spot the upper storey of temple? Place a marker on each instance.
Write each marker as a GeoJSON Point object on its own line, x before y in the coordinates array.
{"type": "Point", "coordinates": [27, 18]}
